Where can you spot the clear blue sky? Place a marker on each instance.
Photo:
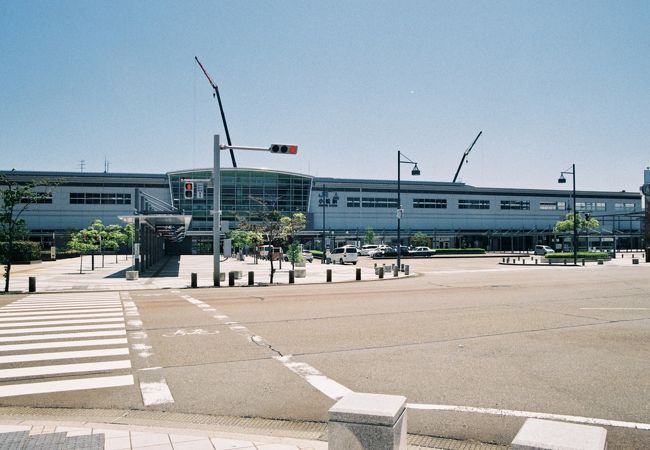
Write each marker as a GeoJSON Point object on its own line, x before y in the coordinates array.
{"type": "Point", "coordinates": [350, 82]}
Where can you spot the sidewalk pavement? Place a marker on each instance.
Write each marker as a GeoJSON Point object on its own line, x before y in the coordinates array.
{"type": "Point", "coordinates": [101, 436]}
{"type": "Point", "coordinates": [172, 272]}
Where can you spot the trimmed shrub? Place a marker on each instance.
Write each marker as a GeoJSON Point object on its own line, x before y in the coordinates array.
{"type": "Point", "coordinates": [460, 251]}
{"type": "Point", "coordinates": [23, 251]}
{"type": "Point", "coordinates": [581, 255]}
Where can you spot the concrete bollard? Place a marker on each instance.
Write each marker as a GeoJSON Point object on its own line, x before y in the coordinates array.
{"type": "Point", "coordinates": [565, 262]}
{"type": "Point", "coordinates": [503, 260]}
{"type": "Point", "coordinates": [407, 269]}
{"type": "Point", "coordinates": [381, 272]}
{"type": "Point", "coordinates": [583, 262]}
{"type": "Point", "coordinates": [329, 275]}
{"type": "Point", "coordinates": [193, 283]}
{"type": "Point", "coordinates": [524, 261]}
{"type": "Point", "coordinates": [32, 284]}
{"type": "Point", "coordinates": [367, 422]}
{"type": "Point", "coordinates": [358, 277]}
{"type": "Point", "coordinates": [536, 261]}
{"type": "Point", "coordinates": [395, 271]}
{"type": "Point", "coordinates": [401, 269]}
{"type": "Point", "coordinates": [537, 434]}
{"type": "Point", "coordinates": [291, 277]}
{"type": "Point", "coordinates": [231, 278]}
{"type": "Point", "coordinates": [251, 278]}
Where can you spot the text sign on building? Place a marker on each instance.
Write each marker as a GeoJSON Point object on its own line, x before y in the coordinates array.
{"type": "Point", "coordinates": [199, 190]}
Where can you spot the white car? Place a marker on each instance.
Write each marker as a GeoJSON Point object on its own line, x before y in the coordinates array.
{"type": "Point", "coordinates": [543, 250]}
{"type": "Point", "coordinates": [367, 248]}
{"type": "Point", "coordinates": [342, 255]}
{"type": "Point", "coordinates": [378, 249]}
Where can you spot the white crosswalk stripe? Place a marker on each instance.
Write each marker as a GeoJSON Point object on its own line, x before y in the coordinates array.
{"type": "Point", "coordinates": [93, 324]}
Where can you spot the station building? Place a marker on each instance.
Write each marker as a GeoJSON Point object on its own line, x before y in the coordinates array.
{"type": "Point", "coordinates": [338, 210]}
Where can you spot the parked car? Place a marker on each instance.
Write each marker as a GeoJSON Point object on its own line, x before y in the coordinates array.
{"type": "Point", "coordinates": [308, 256]}
{"type": "Point", "coordinates": [342, 255]}
{"type": "Point", "coordinates": [543, 250]}
{"type": "Point", "coordinates": [422, 252]}
{"type": "Point", "coordinates": [365, 249]}
{"type": "Point", "coordinates": [378, 249]}
{"type": "Point", "coordinates": [385, 252]}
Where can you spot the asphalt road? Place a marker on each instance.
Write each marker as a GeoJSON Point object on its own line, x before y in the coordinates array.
{"type": "Point", "coordinates": [463, 333]}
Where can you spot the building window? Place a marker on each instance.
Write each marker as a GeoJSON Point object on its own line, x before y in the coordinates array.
{"type": "Point", "coordinates": [41, 197]}
{"type": "Point", "coordinates": [437, 203]}
{"type": "Point", "coordinates": [379, 202]}
{"type": "Point", "coordinates": [625, 206]}
{"type": "Point", "coordinates": [96, 198]}
{"type": "Point", "coordinates": [354, 202]}
{"type": "Point", "coordinates": [590, 206]}
{"type": "Point", "coordinates": [515, 204]}
{"type": "Point", "coordinates": [552, 206]}
{"type": "Point", "coordinates": [473, 204]}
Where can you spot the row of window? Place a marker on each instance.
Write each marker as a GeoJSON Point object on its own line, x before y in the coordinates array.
{"type": "Point", "coordinates": [518, 205]}
{"type": "Point", "coordinates": [96, 198]}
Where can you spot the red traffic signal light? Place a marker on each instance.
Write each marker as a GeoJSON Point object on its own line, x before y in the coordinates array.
{"type": "Point", "coordinates": [188, 189]}
{"type": "Point", "coordinates": [284, 149]}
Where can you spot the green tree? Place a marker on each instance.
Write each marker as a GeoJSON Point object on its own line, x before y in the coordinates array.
{"type": "Point", "coordinates": [240, 239]}
{"type": "Point", "coordinates": [16, 198]}
{"type": "Point", "coordinates": [82, 242]}
{"type": "Point", "coordinates": [291, 226]}
{"type": "Point", "coordinates": [419, 239]}
{"type": "Point", "coordinates": [115, 238]}
{"type": "Point", "coordinates": [370, 236]}
{"type": "Point", "coordinates": [583, 224]}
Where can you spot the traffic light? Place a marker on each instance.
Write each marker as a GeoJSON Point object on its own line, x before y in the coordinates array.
{"type": "Point", "coordinates": [188, 189]}
{"type": "Point", "coordinates": [284, 149]}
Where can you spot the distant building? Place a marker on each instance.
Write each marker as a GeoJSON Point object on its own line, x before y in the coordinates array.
{"type": "Point", "coordinates": [450, 214]}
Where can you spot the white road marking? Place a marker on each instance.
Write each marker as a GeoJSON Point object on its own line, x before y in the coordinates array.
{"type": "Point", "coordinates": [62, 344]}
{"type": "Point", "coordinates": [156, 393]}
{"type": "Point", "coordinates": [68, 328]}
{"type": "Point", "coordinates": [64, 368]}
{"type": "Point", "coordinates": [43, 337]}
{"type": "Point", "coordinates": [535, 415]}
{"type": "Point", "coordinates": [60, 322]}
{"type": "Point", "coordinates": [77, 384]}
{"type": "Point", "coordinates": [66, 316]}
{"type": "Point", "coordinates": [58, 312]}
{"type": "Point", "coordinates": [63, 355]}
{"type": "Point", "coordinates": [39, 307]}
{"type": "Point", "coordinates": [324, 384]}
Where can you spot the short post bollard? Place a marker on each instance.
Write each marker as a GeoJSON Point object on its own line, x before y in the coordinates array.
{"type": "Point", "coordinates": [396, 271]}
{"type": "Point", "coordinates": [536, 261]}
{"type": "Point", "coordinates": [231, 278]}
{"type": "Point", "coordinates": [401, 269]}
{"type": "Point", "coordinates": [360, 421]}
{"type": "Point", "coordinates": [291, 277]}
{"type": "Point", "coordinates": [329, 275]}
{"type": "Point", "coordinates": [407, 269]}
{"type": "Point", "coordinates": [565, 262]}
{"type": "Point", "coordinates": [583, 261]}
{"type": "Point", "coordinates": [358, 278]}
{"type": "Point", "coordinates": [381, 272]}
{"type": "Point", "coordinates": [524, 261]}
{"type": "Point", "coordinates": [193, 283]}
{"type": "Point", "coordinates": [251, 278]}
{"type": "Point", "coordinates": [503, 260]}
{"type": "Point", "coordinates": [32, 284]}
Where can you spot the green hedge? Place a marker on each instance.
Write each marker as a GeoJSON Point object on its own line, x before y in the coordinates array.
{"type": "Point", "coordinates": [460, 251]}
{"type": "Point", "coordinates": [23, 251]}
{"type": "Point", "coordinates": [581, 255]}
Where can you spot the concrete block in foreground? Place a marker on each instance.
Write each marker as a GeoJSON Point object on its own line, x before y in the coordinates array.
{"type": "Point", "coordinates": [537, 434]}
{"type": "Point", "coordinates": [368, 422]}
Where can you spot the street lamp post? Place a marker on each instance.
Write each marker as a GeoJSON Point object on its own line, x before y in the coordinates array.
{"type": "Point", "coordinates": [575, 212]}
{"type": "Point", "coordinates": [400, 211]}
{"type": "Point", "coordinates": [281, 149]}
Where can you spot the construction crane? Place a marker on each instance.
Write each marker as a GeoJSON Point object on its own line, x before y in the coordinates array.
{"type": "Point", "coordinates": [223, 116]}
{"type": "Point", "coordinates": [465, 155]}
